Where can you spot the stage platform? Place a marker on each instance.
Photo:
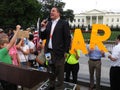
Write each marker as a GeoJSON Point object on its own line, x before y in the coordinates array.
{"type": "Point", "coordinates": [67, 86]}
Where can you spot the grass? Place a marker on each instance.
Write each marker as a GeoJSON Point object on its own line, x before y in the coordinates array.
{"type": "Point", "coordinates": [113, 36]}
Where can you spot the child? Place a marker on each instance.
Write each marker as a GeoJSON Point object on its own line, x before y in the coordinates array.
{"type": "Point", "coordinates": [14, 55]}
{"type": "Point", "coordinates": [5, 57]}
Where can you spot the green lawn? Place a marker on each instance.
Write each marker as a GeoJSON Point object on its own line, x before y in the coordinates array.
{"type": "Point", "coordinates": [113, 36]}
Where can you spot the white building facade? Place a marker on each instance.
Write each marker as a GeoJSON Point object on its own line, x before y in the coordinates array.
{"type": "Point", "coordinates": [111, 19]}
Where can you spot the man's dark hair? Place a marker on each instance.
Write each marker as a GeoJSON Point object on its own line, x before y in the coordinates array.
{"type": "Point", "coordinates": [58, 9]}
{"type": "Point", "coordinates": [31, 37]}
{"type": "Point", "coordinates": [118, 37]}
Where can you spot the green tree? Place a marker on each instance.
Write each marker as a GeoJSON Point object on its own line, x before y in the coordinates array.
{"type": "Point", "coordinates": [23, 12]}
{"type": "Point", "coordinates": [48, 4]}
{"type": "Point", "coordinates": [27, 12]}
{"type": "Point", "coordinates": [68, 15]}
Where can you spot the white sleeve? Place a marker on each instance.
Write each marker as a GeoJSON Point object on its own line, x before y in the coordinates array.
{"type": "Point", "coordinates": [115, 53]}
{"type": "Point", "coordinates": [42, 29]}
{"type": "Point", "coordinates": [27, 47]}
{"type": "Point", "coordinates": [31, 45]}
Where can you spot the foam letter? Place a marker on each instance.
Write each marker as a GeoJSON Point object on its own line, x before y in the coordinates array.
{"type": "Point", "coordinates": [78, 42]}
{"type": "Point", "coordinates": [97, 39]}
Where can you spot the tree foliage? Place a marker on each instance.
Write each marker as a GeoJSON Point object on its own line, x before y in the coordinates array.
{"type": "Point", "coordinates": [68, 14]}
{"type": "Point", "coordinates": [23, 12]}
{"type": "Point", "coordinates": [27, 12]}
{"type": "Point", "coordinates": [48, 4]}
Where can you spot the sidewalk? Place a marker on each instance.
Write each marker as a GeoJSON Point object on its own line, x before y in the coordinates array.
{"type": "Point", "coordinates": [83, 76]}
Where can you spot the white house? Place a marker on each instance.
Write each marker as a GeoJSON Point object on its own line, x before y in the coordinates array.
{"type": "Point", "coordinates": [96, 17]}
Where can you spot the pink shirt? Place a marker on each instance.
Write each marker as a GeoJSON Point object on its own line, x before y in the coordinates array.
{"type": "Point", "coordinates": [13, 54]}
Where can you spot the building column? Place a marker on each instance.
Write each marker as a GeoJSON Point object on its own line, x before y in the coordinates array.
{"type": "Point", "coordinates": [85, 21]}
{"type": "Point", "coordinates": [90, 20]}
{"type": "Point", "coordinates": [96, 19]}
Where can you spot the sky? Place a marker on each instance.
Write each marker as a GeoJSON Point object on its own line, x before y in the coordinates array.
{"type": "Point", "coordinates": [79, 6]}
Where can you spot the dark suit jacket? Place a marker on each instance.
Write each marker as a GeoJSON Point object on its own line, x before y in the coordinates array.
{"type": "Point", "coordinates": [61, 37]}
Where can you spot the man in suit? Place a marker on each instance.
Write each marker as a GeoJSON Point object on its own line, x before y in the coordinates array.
{"type": "Point", "coordinates": [57, 35]}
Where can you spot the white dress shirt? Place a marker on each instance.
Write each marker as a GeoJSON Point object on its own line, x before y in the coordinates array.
{"type": "Point", "coordinates": [54, 22]}
{"type": "Point", "coordinates": [116, 55]}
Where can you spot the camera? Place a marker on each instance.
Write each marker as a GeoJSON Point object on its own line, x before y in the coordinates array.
{"type": "Point", "coordinates": [48, 58]}
{"type": "Point", "coordinates": [50, 62]}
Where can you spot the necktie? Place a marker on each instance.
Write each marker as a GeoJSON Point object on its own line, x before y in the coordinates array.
{"type": "Point", "coordinates": [51, 33]}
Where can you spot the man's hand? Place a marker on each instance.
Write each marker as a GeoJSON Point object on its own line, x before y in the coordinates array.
{"type": "Point", "coordinates": [91, 49]}
{"type": "Point", "coordinates": [65, 55]}
{"type": "Point", "coordinates": [44, 23]}
{"type": "Point", "coordinates": [75, 50]}
{"type": "Point", "coordinates": [111, 58]}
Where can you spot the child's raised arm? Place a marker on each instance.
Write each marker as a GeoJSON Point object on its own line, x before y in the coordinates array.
{"type": "Point", "coordinates": [14, 37]}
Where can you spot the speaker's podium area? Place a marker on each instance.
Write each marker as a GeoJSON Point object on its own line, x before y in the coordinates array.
{"type": "Point", "coordinates": [67, 86]}
{"type": "Point", "coordinates": [28, 78]}
{"type": "Point", "coordinates": [25, 77]}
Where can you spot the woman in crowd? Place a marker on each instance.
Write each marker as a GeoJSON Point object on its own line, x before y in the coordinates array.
{"type": "Point", "coordinates": [23, 52]}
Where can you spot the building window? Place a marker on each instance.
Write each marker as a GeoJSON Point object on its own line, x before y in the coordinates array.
{"type": "Point", "coordinates": [74, 26]}
{"type": "Point", "coordinates": [107, 20]}
{"type": "Point", "coordinates": [78, 20]}
{"type": "Point", "coordinates": [82, 20]}
{"type": "Point", "coordinates": [117, 19]}
{"type": "Point", "coordinates": [117, 26]}
{"type": "Point", "coordinates": [112, 19]}
{"type": "Point", "coordinates": [74, 20]}
{"type": "Point", "coordinates": [111, 26]}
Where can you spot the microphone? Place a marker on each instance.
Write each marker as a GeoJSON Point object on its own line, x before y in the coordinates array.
{"type": "Point", "coordinates": [45, 21]}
